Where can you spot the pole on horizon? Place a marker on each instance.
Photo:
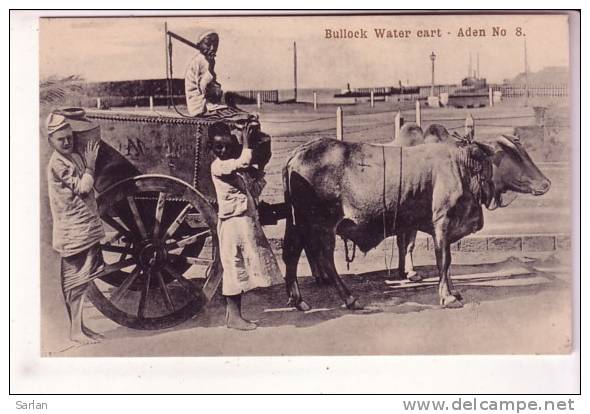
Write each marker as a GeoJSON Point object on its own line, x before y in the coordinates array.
{"type": "Point", "coordinates": [339, 124]}
{"type": "Point", "coordinates": [151, 103]}
{"type": "Point", "coordinates": [295, 71]}
{"type": "Point", "coordinates": [372, 99]}
{"type": "Point", "coordinates": [315, 100]}
{"type": "Point", "coordinates": [526, 76]}
{"type": "Point", "coordinates": [418, 114]}
{"type": "Point", "coordinates": [167, 62]}
{"type": "Point", "coordinates": [399, 121]}
{"type": "Point", "coordinates": [432, 59]}
{"type": "Point", "coordinates": [258, 100]}
{"type": "Point", "coordinates": [491, 96]}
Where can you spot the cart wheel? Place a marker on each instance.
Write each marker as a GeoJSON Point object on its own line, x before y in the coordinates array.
{"type": "Point", "coordinates": [162, 261]}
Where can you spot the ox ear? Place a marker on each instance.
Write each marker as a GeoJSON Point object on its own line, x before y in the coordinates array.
{"type": "Point", "coordinates": [480, 151]}
{"type": "Point", "coordinates": [507, 143]}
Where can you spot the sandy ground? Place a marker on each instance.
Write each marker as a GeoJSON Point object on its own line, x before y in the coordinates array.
{"type": "Point", "coordinates": [513, 305]}
{"type": "Point", "coordinates": [504, 312]}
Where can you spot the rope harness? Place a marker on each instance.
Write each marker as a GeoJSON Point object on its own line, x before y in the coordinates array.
{"type": "Point", "coordinates": [349, 259]}
{"type": "Point", "coordinates": [479, 176]}
{"type": "Point", "coordinates": [388, 262]}
{"type": "Point", "coordinates": [479, 171]}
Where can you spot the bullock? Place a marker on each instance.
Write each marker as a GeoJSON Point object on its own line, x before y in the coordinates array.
{"type": "Point", "coordinates": [513, 171]}
{"type": "Point", "coordinates": [365, 193]}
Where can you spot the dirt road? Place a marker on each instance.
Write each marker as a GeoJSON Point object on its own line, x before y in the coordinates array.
{"type": "Point", "coordinates": [513, 305]}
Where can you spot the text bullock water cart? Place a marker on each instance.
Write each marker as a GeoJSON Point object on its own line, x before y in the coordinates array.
{"type": "Point", "coordinates": [157, 202]}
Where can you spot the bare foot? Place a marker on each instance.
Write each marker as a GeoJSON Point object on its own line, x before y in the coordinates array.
{"type": "Point", "coordinates": [353, 304]}
{"type": "Point", "coordinates": [83, 339]}
{"type": "Point", "coordinates": [240, 324]}
{"type": "Point", "coordinates": [451, 302]}
{"type": "Point", "coordinates": [95, 335]}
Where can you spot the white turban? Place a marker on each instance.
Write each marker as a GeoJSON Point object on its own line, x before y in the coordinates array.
{"type": "Point", "coordinates": [204, 34]}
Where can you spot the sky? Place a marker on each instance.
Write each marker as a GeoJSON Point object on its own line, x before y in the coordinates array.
{"type": "Point", "coordinates": [257, 52]}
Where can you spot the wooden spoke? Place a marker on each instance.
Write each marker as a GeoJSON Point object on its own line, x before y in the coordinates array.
{"type": "Point", "coordinates": [188, 240]}
{"type": "Point", "coordinates": [112, 237]}
{"type": "Point", "coordinates": [176, 223]}
{"type": "Point", "coordinates": [164, 291]}
{"type": "Point", "coordinates": [144, 296]}
{"type": "Point", "coordinates": [136, 216]}
{"type": "Point", "coordinates": [150, 216]}
{"type": "Point", "coordinates": [192, 260]}
{"type": "Point", "coordinates": [182, 280]}
{"type": "Point", "coordinates": [159, 212]}
{"type": "Point", "coordinates": [110, 268]}
{"type": "Point", "coordinates": [116, 249]}
{"type": "Point", "coordinates": [214, 275]}
{"type": "Point", "coordinates": [120, 291]}
{"type": "Point", "coordinates": [117, 226]}
{"type": "Point", "coordinates": [124, 255]}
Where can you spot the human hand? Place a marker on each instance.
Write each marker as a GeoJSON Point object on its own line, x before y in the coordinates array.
{"type": "Point", "coordinates": [246, 135]}
{"type": "Point", "coordinates": [90, 154]}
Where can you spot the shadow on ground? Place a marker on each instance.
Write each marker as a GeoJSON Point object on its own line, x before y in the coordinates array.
{"type": "Point", "coordinates": [379, 294]}
{"type": "Point", "coordinates": [476, 283]}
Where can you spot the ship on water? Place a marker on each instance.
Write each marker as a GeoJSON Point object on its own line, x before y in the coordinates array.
{"type": "Point", "coordinates": [473, 92]}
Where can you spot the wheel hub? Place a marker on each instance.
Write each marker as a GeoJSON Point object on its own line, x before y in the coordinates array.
{"type": "Point", "coordinates": [152, 255]}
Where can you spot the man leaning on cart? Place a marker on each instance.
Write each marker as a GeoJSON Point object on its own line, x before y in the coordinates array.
{"type": "Point", "coordinates": [77, 228]}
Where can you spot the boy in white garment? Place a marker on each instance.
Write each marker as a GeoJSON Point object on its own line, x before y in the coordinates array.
{"type": "Point", "coordinates": [77, 228]}
{"type": "Point", "coordinates": [247, 259]}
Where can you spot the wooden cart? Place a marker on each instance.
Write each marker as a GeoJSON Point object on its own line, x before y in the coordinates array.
{"type": "Point", "coordinates": [157, 202]}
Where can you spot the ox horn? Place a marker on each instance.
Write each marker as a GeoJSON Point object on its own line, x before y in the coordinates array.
{"type": "Point", "coordinates": [508, 140]}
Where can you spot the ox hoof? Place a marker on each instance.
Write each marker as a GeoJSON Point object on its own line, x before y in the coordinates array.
{"type": "Point", "coordinates": [303, 306]}
{"type": "Point", "coordinates": [414, 277]}
{"type": "Point", "coordinates": [353, 304]}
{"type": "Point", "coordinates": [457, 295]}
{"type": "Point", "coordinates": [299, 305]}
{"type": "Point", "coordinates": [451, 302]}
